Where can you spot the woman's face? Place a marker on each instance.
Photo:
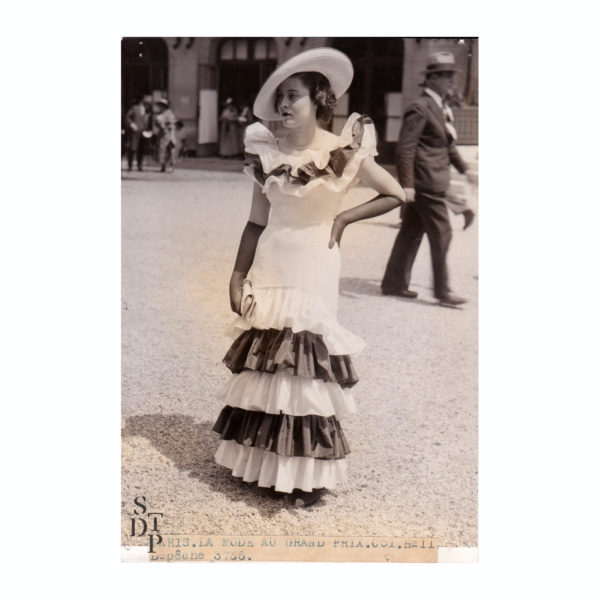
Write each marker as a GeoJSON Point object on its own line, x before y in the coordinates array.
{"type": "Point", "coordinates": [294, 103]}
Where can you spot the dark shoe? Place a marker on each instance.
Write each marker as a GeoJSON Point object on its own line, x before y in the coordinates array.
{"type": "Point", "coordinates": [300, 499]}
{"type": "Point", "coordinates": [450, 300]}
{"type": "Point", "coordinates": [275, 495]}
{"type": "Point", "coordinates": [401, 293]}
{"type": "Point", "coordinates": [469, 215]}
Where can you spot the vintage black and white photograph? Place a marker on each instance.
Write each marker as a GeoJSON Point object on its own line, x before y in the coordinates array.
{"type": "Point", "coordinates": [299, 309]}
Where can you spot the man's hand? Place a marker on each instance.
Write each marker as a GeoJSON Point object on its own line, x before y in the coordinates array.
{"type": "Point", "coordinates": [472, 176]}
{"type": "Point", "coordinates": [469, 216]}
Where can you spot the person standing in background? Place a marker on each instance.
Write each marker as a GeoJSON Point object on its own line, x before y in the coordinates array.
{"type": "Point", "coordinates": [246, 118]}
{"type": "Point", "coordinates": [165, 121]}
{"type": "Point", "coordinates": [136, 123]}
{"type": "Point", "coordinates": [228, 135]}
{"type": "Point", "coordinates": [425, 150]}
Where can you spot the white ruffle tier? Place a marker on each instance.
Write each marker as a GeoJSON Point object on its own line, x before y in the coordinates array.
{"type": "Point", "coordinates": [281, 307]}
{"type": "Point", "coordinates": [260, 141]}
{"type": "Point", "coordinates": [280, 392]}
{"type": "Point", "coordinates": [286, 473]}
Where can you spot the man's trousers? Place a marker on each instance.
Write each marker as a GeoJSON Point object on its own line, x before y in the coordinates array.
{"type": "Point", "coordinates": [427, 214]}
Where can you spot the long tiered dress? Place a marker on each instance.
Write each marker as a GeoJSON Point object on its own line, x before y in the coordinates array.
{"type": "Point", "coordinates": [291, 360]}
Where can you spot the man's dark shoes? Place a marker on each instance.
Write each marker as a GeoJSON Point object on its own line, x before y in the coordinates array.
{"type": "Point", "coordinates": [450, 300]}
{"type": "Point", "coordinates": [401, 293]}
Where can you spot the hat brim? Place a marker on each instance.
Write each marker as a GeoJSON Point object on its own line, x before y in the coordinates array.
{"type": "Point", "coordinates": [333, 64]}
{"type": "Point", "coordinates": [442, 69]}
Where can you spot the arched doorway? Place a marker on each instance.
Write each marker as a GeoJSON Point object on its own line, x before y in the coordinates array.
{"type": "Point", "coordinates": [377, 84]}
{"type": "Point", "coordinates": [244, 65]}
{"type": "Point", "coordinates": [144, 68]}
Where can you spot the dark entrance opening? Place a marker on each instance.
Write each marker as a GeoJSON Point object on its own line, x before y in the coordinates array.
{"type": "Point", "coordinates": [240, 81]}
{"type": "Point", "coordinates": [378, 64]}
{"type": "Point", "coordinates": [244, 65]}
{"type": "Point", "coordinates": [144, 68]}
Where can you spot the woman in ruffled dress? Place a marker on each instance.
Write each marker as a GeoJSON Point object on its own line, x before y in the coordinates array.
{"type": "Point", "coordinates": [291, 361]}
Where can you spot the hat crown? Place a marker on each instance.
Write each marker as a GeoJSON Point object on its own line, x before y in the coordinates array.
{"type": "Point", "coordinates": [440, 59]}
{"type": "Point", "coordinates": [331, 63]}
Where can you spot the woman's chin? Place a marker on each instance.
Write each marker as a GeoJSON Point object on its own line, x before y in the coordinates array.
{"type": "Point", "coordinates": [289, 122]}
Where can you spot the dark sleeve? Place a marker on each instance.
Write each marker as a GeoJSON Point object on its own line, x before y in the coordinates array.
{"type": "Point", "coordinates": [406, 148]}
{"type": "Point", "coordinates": [456, 159]}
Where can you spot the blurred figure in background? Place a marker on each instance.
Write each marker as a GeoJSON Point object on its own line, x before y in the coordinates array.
{"type": "Point", "coordinates": [137, 122]}
{"type": "Point", "coordinates": [246, 118]}
{"type": "Point", "coordinates": [165, 122]}
{"type": "Point", "coordinates": [180, 145]}
{"type": "Point", "coordinates": [228, 135]}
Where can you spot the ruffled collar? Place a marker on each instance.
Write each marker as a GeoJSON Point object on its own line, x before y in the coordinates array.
{"type": "Point", "coordinates": [275, 152]}
{"type": "Point", "coordinates": [330, 159]}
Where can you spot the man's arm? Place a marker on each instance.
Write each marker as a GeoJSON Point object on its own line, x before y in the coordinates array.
{"type": "Point", "coordinates": [406, 148]}
{"type": "Point", "coordinates": [456, 159]}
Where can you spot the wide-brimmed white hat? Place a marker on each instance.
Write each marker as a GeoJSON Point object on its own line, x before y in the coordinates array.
{"type": "Point", "coordinates": [335, 65]}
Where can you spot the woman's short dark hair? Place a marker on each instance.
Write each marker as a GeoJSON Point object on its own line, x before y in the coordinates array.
{"type": "Point", "coordinates": [320, 93]}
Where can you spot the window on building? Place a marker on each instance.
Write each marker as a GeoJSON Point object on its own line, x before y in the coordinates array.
{"type": "Point", "coordinates": [247, 49]}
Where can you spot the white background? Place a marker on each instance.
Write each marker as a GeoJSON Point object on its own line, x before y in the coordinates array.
{"type": "Point", "coordinates": [61, 290]}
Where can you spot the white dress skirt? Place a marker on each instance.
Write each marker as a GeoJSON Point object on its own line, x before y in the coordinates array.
{"type": "Point", "coordinates": [291, 361]}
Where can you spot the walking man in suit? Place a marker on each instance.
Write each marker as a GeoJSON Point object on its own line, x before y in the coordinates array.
{"type": "Point", "coordinates": [136, 121]}
{"type": "Point", "coordinates": [424, 153]}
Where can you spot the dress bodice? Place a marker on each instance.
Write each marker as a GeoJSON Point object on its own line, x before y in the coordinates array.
{"type": "Point", "coordinates": [305, 188]}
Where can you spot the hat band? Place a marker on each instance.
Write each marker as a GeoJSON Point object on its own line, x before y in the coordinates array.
{"type": "Point", "coordinates": [438, 68]}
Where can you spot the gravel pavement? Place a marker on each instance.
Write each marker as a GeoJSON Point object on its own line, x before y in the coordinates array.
{"type": "Point", "coordinates": [413, 466]}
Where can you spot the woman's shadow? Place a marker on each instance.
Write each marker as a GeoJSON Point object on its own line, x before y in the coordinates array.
{"type": "Point", "coordinates": [191, 447]}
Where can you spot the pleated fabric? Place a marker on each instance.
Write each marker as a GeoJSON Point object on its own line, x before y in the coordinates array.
{"type": "Point", "coordinates": [276, 393]}
{"type": "Point", "coordinates": [303, 353]}
{"type": "Point", "coordinates": [287, 435]}
{"type": "Point", "coordinates": [280, 425]}
{"type": "Point", "coordinates": [284, 473]}
{"type": "Point", "coordinates": [298, 310]}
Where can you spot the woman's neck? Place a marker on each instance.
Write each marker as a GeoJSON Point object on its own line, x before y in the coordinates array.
{"type": "Point", "coordinates": [302, 137]}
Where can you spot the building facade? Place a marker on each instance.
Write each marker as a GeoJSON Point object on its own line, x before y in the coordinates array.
{"type": "Point", "coordinates": [198, 74]}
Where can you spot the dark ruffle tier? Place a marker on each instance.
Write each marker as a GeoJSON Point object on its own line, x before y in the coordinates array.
{"type": "Point", "coordinates": [309, 436]}
{"type": "Point", "coordinates": [338, 159]}
{"type": "Point", "coordinates": [301, 353]}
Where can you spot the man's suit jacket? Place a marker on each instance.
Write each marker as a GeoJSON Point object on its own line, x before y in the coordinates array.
{"type": "Point", "coordinates": [425, 149]}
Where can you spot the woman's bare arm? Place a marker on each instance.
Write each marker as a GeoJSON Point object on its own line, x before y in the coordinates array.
{"type": "Point", "coordinates": [257, 221]}
{"type": "Point", "coordinates": [391, 195]}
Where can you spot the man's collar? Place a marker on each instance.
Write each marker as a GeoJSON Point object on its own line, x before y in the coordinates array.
{"type": "Point", "coordinates": [435, 96]}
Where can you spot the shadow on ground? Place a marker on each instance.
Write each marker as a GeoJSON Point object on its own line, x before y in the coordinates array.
{"type": "Point", "coordinates": [352, 287]}
{"type": "Point", "coordinates": [191, 447]}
